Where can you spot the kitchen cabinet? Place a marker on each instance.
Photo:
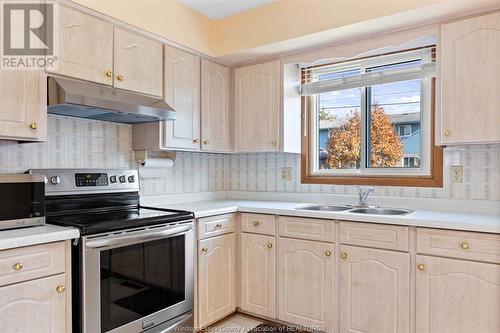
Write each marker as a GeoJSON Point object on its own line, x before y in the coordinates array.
{"type": "Point", "coordinates": [35, 288]}
{"type": "Point", "coordinates": [306, 283]}
{"type": "Point", "coordinates": [85, 47]}
{"type": "Point", "coordinates": [182, 92]}
{"type": "Point", "coordinates": [258, 274]}
{"type": "Point", "coordinates": [23, 112]}
{"type": "Point", "coordinates": [138, 63]}
{"type": "Point", "coordinates": [215, 107]}
{"type": "Point", "coordinates": [94, 50]}
{"type": "Point", "coordinates": [374, 290]}
{"type": "Point", "coordinates": [34, 306]}
{"type": "Point", "coordinates": [470, 80]}
{"type": "Point", "coordinates": [257, 107]}
{"type": "Point", "coordinates": [457, 296]}
{"type": "Point", "coordinates": [216, 278]}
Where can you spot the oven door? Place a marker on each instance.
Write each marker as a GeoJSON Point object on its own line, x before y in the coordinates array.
{"type": "Point", "coordinates": [137, 279]}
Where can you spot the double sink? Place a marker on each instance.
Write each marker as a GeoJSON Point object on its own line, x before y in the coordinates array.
{"type": "Point", "coordinates": [357, 209]}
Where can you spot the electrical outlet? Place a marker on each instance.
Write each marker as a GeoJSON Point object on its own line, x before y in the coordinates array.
{"type": "Point", "coordinates": [457, 174]}
{"type": "Point", "coordinates": [287, 174]}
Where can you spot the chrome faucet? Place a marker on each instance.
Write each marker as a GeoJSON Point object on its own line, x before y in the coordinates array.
{"type": "Point", "coordinates": [364, 192]}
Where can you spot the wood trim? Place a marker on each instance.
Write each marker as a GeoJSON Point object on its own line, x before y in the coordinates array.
{"type": "Point", "coordinates": [435, 179]}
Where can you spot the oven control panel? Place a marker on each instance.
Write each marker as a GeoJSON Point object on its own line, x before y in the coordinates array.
{"type": "Point", "coordinates": [88, 180]}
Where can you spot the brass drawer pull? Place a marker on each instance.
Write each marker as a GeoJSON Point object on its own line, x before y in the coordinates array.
{"type": "Point", "coordinates": [205, 142]}
{"type": "Point", "coordinates": [60, 289]}
{"type": "Point", "coordinates": [256, 223]}
{"type": "Point", "coordinates": [269, 245]}
{"type": "Point", "coordinates": [421, 267]}
{"type": "Point", "coordinates": [120, 78]}
{"type": "Point", "coordinates": [34, 126]}
{"type": "Point", "coordinates": [109, 73]}
{"type": "Point", "coordinates": [328, 253]}
{"type": "Point", "coordinates": [17, 266]}
{"type": "Point", "coordinates": [447, 132]}
{"type": "Point", "coordinates": [204, 249]}
{"type": "Point", "coordinates": [196, 140]}
{"type": "Point", "coordinates": [343, 256]}
{"type": "Point", "coordinates": [218, 226]}
{"type": "Point", "coordinates": [464, 245]}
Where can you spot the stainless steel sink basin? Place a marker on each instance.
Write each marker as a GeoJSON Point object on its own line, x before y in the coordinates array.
{"type": "Point", "coordinates": [326, 208]}
{"type": "Point", "coordinates": [380, 211]}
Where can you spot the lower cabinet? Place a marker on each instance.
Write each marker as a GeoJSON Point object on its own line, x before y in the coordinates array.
{"type": "Point", "coordinates": [457, 296]}
{"type": "Point", "coordinates": [34, 306]}
{"type": "Point", "coordinates": [258, 274]}
{"type": "Point", "coordinates": [216, 278]}
{"type": "Point", "coordinates": [306, 283]}
{"type": "Point", "coordinates": [374, 290]}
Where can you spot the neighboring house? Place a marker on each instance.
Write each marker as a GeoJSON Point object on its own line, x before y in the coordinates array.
{"type": "Point", "coordinates": [406, 125]}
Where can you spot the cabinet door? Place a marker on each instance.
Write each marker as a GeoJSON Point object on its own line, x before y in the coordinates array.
{"type": "Point", "coordinates": [138, 63]}
{"type": "Point", "coordinates": [182, 92]}
{"type": "Point", "coordinates": [257, 107]}
{"type": "Point", "coordinates": [34, 306]}
{"type": "Point", "coordinates": [23, 111]}
{"type": "Point", "coordinates": [216, 278]}
{"type": "Point", "coordinates": [374, 290]}
{"type": "Point", "coordinates": [470, 80]}
{"type": "Point", "coordinates": [258, 274]}
{"type": "Point", "coordinates": [305, 282]}
{"type": "Point", "coordinates": [457, 296]}
{"type": "Point", "coordinates": [215, 116]}
{"type": "Point", "coordinates": [85, 47]}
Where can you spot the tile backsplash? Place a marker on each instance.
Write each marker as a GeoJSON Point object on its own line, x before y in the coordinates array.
{"type": "Point", "coordinates": [79, 143]}
{"type": "Point", "coordinates": [72, 143]}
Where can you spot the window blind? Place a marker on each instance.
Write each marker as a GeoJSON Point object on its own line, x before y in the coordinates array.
{"type": "Point", "coordinates": [418, 64]}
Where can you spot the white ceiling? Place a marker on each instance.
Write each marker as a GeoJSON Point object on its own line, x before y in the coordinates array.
{"type": "Point", "coordinates": [217, 9]}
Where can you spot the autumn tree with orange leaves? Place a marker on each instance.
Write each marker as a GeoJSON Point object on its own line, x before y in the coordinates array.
{"type": "Point", "coordinates": [344, 146]}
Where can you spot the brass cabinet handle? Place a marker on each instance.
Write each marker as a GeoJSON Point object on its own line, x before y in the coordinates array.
{"type": "Point", "coordinates": [256, 223]}
{"type": "Point", "coordinates": [60, 289]}
{"type": "Point", "coordinates": [328, 253]}
{"type": "Point", "coordinates": [17, 266]}
{"type": "Point", "coordinates": [120, 78]}
{"type": "Point", "coordinates": [205, 142]}
{"type": "Point", "coordinates": [343, 255]}
{"type": "Point", "coordinates": [269, 245]}
{"type": "Point", "coordinates": [218, 226]}
{"type": "Point", "coordinates": [464, 245]}
{"type": "Point", "coordinates": [33, 125]}
{"type": "Point", "coordinates": [274, 143]}
{"type": "Point", "coordinates": [196, 140]}
{"type": "Point", "coordinates": [109, 74]}
{"type": "Point", "coordinates": [204, 249]}
{"type": "Point", "coordinates": [421, 267]}
{"type": "Point", "coordinates": [447, 132]}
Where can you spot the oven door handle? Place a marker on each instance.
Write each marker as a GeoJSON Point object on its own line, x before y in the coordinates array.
{"type": "Point", "coordinates": [137, 238]}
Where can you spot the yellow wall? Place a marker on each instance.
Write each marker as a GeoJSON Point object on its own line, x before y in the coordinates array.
{"type": "Point", "coordinates": [167, 18]}
{"type": "Point", "coordinates": [277, 21]}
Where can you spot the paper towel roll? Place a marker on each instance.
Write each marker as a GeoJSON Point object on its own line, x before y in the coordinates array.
{"type": "Point", "coordinates": [155, 167]}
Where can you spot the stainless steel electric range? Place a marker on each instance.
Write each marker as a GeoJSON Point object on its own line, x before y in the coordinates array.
{"type": "Point", "coordinates": [132, 268]}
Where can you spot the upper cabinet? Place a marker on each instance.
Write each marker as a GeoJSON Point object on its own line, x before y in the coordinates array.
{"type": "Point", "coordinates": [94, 50]}
{"type": "Point", "coordinates": [257, 107]}
{"type": "Point", "coordinates": [23, 111]}
{"type": "Point", "coordinates": [138, 63]}
{"type": "Point", "coordinates": [85, 47]}
{"type": "Point", "coordinates": [182, 92]}
{"type": "Point", "coordinates": [215, 111]}
{"type": "Point", "coordinates": [470, 80]}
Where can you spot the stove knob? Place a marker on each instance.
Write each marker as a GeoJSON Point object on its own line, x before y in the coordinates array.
{"type": "Point", "coordinates": [131, 179]}
{"type": "Point", "coordinates": [122, 179]}
{"type": "Point", "coordinates": [112, 179]}
{"type": "Point", "coordinates": [55, 180]}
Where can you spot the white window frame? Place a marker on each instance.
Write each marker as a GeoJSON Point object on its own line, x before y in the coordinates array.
{"type": "Point", "coordinates": [425, 122]}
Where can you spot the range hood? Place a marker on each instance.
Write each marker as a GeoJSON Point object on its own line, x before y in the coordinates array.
{"type": "Point", "coordinates": [81, 99]}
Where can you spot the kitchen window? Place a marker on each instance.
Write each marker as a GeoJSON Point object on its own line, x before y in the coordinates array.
{"type": "Point", "coordinates": [371, 120]}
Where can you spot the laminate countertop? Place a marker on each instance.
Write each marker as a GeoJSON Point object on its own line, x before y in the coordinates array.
{"type": "Point", "coordinates": [27, 236]}
{"type": "Point", "coordinates": [420, 218]}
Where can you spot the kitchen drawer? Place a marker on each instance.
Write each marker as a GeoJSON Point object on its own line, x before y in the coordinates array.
{"type": "Point", "coordinates": [215, 225]}
{"type": "Point", "coordinates": [306, 228]}
{"type": "Point", "coordinates": [258, 223]}
{"type": "Point", "coordinates": [459, 244]}
{"type": "Point", "coordinates": [382, 236]}
{"type": "Point", "coordinates": [31, 262]}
